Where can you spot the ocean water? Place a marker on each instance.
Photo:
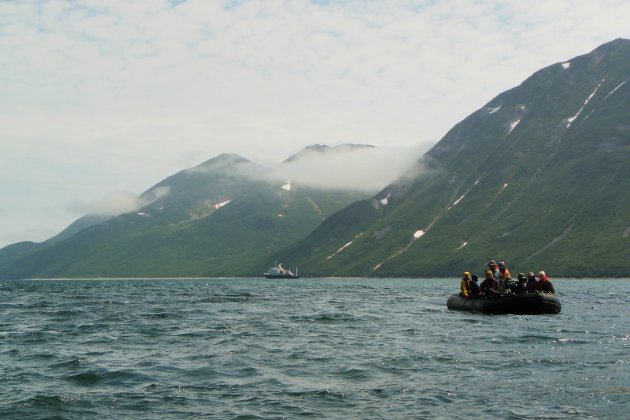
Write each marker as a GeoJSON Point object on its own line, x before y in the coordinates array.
{"type": "Point", "coordinates": [317, 348]}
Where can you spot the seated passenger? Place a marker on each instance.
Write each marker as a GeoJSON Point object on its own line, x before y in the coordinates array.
{"type": "Point", "coordinates": [504, 279]}
{"type": "Point", "coordinates": [463, 285]}
{"type": "Point", "coordinates": [532, 283]}
{"type": "Point", "coordinates": [473, 286]}
{"type": "Point", "coordinates": [544, 285]}
{"type": "Point", "coordinates": [521, 284]}
{"type": "Point", "coordinates": [492, 266]}
{"type": "Point", "coordinates": [489, 284]}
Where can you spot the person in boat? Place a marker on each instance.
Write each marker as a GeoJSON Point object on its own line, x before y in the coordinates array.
{"type": "Point", "coordinates": [504, 281]}
{"type": "Point", "coordinates": [521, 284]}
{"type": "Point", "coordinates": [464, 285]}
{"type": "Point", "coordinates": [494, 267]}
{"type": "Point", "coordinates": [544, 285]}
{"type": "Point", "coordinates": [489, 284]}
{"type": "Point", "coordinates": [532, 282]}
{"type": "Point", "coordinates": [473, 286]}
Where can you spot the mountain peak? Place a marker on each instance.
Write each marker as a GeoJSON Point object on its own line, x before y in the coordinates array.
{"type": "Point", "coordinates": [532, 176]}
{"type": "Point", "coordinates": [325, 149]}
{"type": "Point", "coordinates": [226, 163]}
{"type": "Point", "coordinates": [224, 158]}
{"type": "Point", "coordinates": [614, 44]}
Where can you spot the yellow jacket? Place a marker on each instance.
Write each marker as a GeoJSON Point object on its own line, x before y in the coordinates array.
{"type": "Point", "coordinates": [464, 288]}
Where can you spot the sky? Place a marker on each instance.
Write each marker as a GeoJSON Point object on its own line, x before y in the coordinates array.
{"type": "Point", "coordinates": [105, 98]}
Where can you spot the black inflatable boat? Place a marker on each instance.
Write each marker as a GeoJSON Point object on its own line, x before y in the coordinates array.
{"type": "Point", "coordinates": [531, 303]}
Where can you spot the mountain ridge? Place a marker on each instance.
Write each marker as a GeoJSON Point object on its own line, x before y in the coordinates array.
{"type": "Point", "coordinates": [538, 176]}
{"type": "Point", "coordinates": [222, 209]}
{"type": "Point", "coordinates": [490, 182]}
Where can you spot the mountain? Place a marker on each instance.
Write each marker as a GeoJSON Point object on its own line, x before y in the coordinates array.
{"type": "Point", "coordinates": [202, 221]}
{"type": "Point", "coordinates": [15, 252]}
{"type": "Point", "coordinates": [320, 150]}
{"type": "Point", "coordinates": [538, 177]}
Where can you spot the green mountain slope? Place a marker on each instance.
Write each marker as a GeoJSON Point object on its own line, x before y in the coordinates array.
{"type": "Point", "coordinates": [538, 177]}
{"type": "Point", "coordinates": [15, 252]}
{"type": "Point", "coordinates": [198, 222]}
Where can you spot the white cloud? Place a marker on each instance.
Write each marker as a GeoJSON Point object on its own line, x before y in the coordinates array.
{"type": "Point", "coordinates": [116, 95]}
{"type": "Point", "coordinates": [112, 205]}
{"type": "Point", "coordinates": [118, 203]}
{"type": "Point", "coordinates": [367, 169]}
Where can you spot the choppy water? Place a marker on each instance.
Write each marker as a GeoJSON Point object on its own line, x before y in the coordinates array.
{"type": "Point", "coordinates": [325, 348]}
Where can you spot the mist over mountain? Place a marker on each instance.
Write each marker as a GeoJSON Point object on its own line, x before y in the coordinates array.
{"type": "Point", "coordinates": [347, 166]}
{"type": "Point", "coordinates": [212, 215]}
{"type": "Point", "coordinates": [539, 177]}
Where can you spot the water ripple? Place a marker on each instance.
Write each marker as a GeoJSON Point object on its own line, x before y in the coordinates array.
{"type": "Point", "coordinates": [322, 348]}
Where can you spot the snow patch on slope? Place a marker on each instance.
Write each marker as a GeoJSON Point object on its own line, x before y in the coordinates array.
{"type": "Point", "coordinates": [493, 110]}
{"type": "Point", "coordinates": [221, 204]}
{"type": "Point", "coordinates": [513, 125]}
{"type": "Point", "coordinates": [566, 65]}
{"type": "Point", "coordinates": [287, 186]}
{"type": "Point", "coordinates": [463, 245]}
{"type": "Point", "coordinates": [344, 247]}
{"type": "Point", "coordinates": [385, 201]}
{"type": "Point", "coordinates": [418, 234]}
{"type": "Point", "coordinates": [573, 118]}
{"type": "Point", "coordinates": [613, 91]}
{"type": "Point", "coordinates": [589, 114]}
{"type": "Point", "coordinates": [456, 202]}
{"type": "Point", "coordinates": [459, 199]}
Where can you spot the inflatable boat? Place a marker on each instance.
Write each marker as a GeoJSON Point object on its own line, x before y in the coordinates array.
{"type": "Point", "coordinates": [530, 303]}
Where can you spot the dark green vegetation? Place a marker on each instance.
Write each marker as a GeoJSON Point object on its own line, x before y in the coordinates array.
{"type": "Point", "coordinates": [539, 177]}
{"type": "Point", "coordinates": [208, 220]}
{"type": "Point", "coordinates": [552, 191]}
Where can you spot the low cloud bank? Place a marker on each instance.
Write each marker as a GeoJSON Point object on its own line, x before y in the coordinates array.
{"type": "Point", "coordinates": [118, 202]}
{"type": "Point", "coordinates": [365, 169]}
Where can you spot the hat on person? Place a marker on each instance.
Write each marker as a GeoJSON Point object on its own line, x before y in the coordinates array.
{"type": "Point", "coordinates": [491, 263]}
{"type": "Point", "coordinates": [521, 276]}
{"type": "Point", "coordinates": [475, 277]}
{"type": "Point", "coordinates": [466, 274]}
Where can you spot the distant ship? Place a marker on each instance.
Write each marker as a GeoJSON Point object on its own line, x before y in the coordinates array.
{"type": "Point", "coordinates": [279, 272]}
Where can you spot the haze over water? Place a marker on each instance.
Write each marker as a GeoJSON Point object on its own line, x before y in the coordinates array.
{"type": "Point", "coordinates": [322, 348]}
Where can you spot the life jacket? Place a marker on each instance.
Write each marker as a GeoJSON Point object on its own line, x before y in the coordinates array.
{"type": "Point", "coordinates": [463, 286]}
{"type": "Point", "coordinates": [489, 283]}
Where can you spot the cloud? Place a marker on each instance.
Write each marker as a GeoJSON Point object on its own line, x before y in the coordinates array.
{"type": "Point", "coordinates": [366, 169]}
{"type": "Point", "coordinates": [107, 96]}
{"type": "Point", "coordinates": [118, 203]}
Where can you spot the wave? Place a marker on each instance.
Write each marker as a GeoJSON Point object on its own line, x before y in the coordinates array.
{"type": "Point", "coordinates": [229, 298]}
{"type": "Point", "coordinates": [102, 376]}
